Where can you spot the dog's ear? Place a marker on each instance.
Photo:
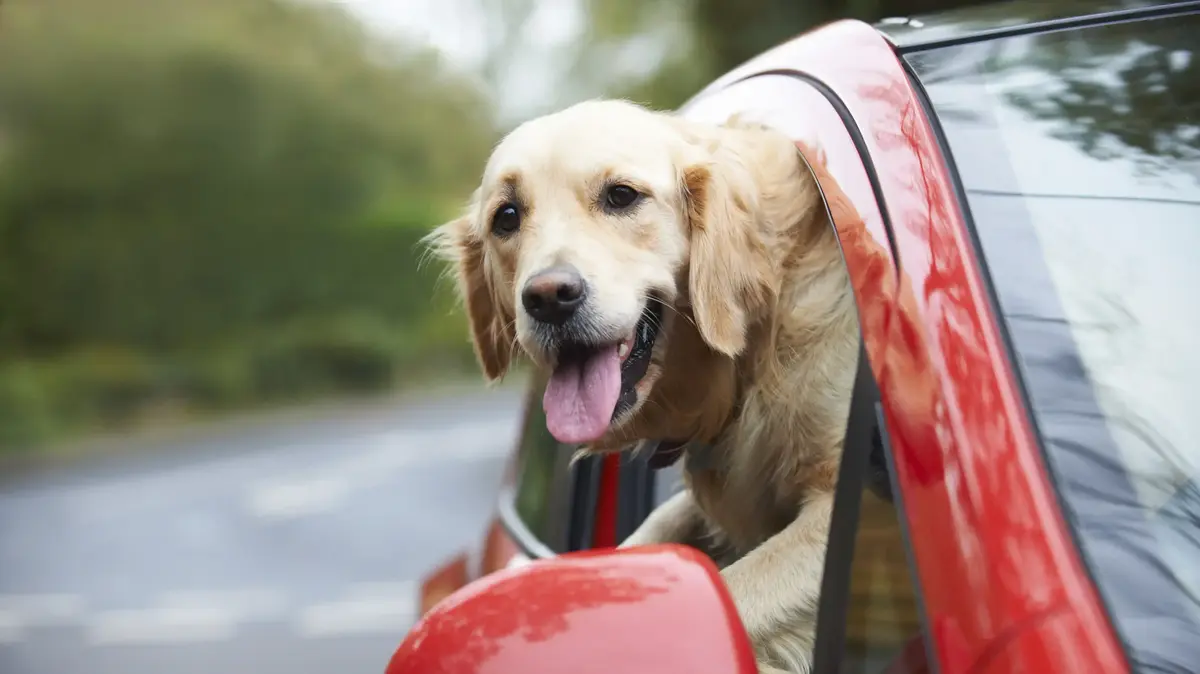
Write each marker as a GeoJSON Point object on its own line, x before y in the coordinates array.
{"type": "Point", "coordinates": [729, 269]}
{"type": "Point", "coordinates": [491, 332]}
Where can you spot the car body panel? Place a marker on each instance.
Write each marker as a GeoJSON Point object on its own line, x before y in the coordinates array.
{"type": "Point", "coordinates": [445, 580]}
{"type": "Point", "coordinates": [660, 609]}
{"type": "Point", "coordinates": [604, 532]}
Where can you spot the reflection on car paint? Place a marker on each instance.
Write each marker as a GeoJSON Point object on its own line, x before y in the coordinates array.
{"type": "Point", "coordinates": [551, 613]}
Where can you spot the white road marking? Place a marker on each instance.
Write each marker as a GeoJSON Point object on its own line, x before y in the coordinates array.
{"type": "Point", "coordinates": [396, 589]}
{"type": "Point", "coordinates": [161, 626]}
{"type": "Point", "coordinates": [326, 488]}
{"type": "Point", "coordinates": [158, 485]}
{"type": "Point", "coordinates": [297, 499]}
{"type": "Point", "coordinates": [253, 604]}
{"type": "Point", "coordinates": [12, 630]}
{"type": "Point", "coordinates": [198, 616]}
{"type": "Point", "coordinates": [359, 616]}
{"type": "Point", "coordinates": [187, 616]}
{"type": "Point", "coordinates": [379, 608]}
{"type": "Point", "coordinates": [19, 612]}
{"type": "Point", "coordinates": [42, 609]}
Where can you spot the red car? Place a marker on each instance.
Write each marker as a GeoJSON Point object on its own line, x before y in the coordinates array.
{"type": "Point", "coordinates": [1017, 193]}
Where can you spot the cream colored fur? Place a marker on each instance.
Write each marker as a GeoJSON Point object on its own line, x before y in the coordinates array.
{"type": "Point", "coordinates": [757, 356]}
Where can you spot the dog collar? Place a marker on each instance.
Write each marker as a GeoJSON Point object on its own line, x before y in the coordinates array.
{"type": "Point", "coordinates": [667, 452]}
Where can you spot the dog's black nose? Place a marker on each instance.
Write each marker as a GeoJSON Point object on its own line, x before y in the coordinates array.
{"type": "Point", "coordinates": [553, 295]}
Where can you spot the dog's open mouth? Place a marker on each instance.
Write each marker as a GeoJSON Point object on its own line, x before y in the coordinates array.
{"type": "Point", "coordinates": [592, 384]}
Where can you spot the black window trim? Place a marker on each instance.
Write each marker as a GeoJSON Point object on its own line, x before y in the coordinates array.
{"type": "Point", "coordinates": [834, 600]}
{"type": "Point", "coordinates": [1049, 26]}
{"type": "Point", "coordinates": [583, 499]}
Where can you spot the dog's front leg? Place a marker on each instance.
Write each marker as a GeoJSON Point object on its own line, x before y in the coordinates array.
{"type": "Point", "coordinates": [677, 520]}
{"type": "Point", "coordinates": [776, 586]}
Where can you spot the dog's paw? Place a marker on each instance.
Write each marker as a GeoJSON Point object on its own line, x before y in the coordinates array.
{"type": "Point", "coordinates": [744, 588]}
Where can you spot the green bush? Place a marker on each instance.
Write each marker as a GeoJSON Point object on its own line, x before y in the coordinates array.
{"type": "Point", "coordinates": [26, 417]}
{"type": "Point", "coordinates": [111, 388]}
{"type": "Point", "coordinates": [348, 355]}
{"type": "Point", "coordinates": [101, 386]}
{"type": "Point", "coordinates": [222, 212]}
{"type": "Point", "coordinates": [217, 379]}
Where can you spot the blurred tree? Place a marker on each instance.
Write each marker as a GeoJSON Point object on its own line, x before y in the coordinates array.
{"type": "Point", "coordinates": [170, 185]}
{"type": "Point", "coordinates": [181, 178]}
{"type": "Point", "coordinates": [1144, 106]}
{"type": "Point", "coordinates": [661, 52]}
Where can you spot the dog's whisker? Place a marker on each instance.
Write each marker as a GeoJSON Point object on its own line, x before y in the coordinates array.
{"type": "Point", "coordinates": [679, 313]}
{"type": "Point", "coordinates": [514, 349]}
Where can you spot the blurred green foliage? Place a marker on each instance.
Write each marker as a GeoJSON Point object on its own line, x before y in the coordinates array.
{"type": "Point", "coordinates": [216, 203]}
{"type": "Point", "coordinates": [700, 40]}
{"type": "Point", "coordinates": [209, 204]}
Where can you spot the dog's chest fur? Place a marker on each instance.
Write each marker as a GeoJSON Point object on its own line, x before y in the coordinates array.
{"type": "Point", "coordinates": [783, 445]}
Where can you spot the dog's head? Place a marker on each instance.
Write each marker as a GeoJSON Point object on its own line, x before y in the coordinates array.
{"type": "Point", "coordinates": [598, 232]}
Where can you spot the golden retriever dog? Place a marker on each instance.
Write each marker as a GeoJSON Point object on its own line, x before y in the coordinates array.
{"type": "Point", "coordinates": [678, 281]}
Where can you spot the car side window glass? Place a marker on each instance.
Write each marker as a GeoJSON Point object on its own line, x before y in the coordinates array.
{"type": "Point", "coordinates": [883, 620]}
{"type": "Point", "coordinates": [544, 480]}
{"type": "Point", "coordinates": [668, 481]}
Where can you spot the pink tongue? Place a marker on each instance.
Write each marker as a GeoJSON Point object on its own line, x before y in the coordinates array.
{"type": "Point", "coordinates": [581, 396]}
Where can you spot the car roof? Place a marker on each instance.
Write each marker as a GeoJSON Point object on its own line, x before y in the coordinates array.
{"type": "Point", "coordinates": [1000, 19]}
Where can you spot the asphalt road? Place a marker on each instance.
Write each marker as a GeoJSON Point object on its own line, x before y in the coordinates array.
{"type": "Point", "coordinates": [292, 546]}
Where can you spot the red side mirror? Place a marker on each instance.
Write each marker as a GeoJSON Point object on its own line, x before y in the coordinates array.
{"type": "Point", "coordinates": [657, 610]}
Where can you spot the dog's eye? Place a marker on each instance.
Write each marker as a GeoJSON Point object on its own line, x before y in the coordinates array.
{"type": "Point", "coordinates": [506, 220]}
{"type": "Point", "coordinates": [620, 197]}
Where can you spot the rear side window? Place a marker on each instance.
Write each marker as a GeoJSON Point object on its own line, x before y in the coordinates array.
{"type": "Point", "coordinates": [883, 620]}
{"type": "Point", "coordinates": [1079, 155]}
